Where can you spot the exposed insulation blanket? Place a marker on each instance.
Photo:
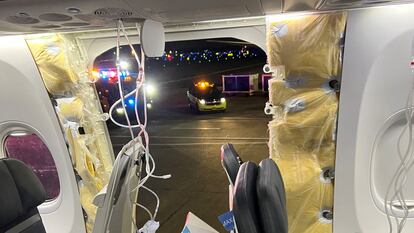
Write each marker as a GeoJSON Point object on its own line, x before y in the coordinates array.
{"type": "Point", "coordinates": [304, 124]}
{"type": "Point", "coordinates": [307, 46]}
{"type": "Point", "coordinates": [304, 54]}
{"type": "Point", "coordinates": [64, 72]}
{"type": "Point", "coordinates": [52, 63]}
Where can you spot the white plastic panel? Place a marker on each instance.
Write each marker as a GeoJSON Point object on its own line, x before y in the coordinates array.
{"type": "Point", "coordinates": [253, 34]}
{"type": "Point", "coordinates": [177, 11]}
{"type": "Point", "coordinates": [384, 163]}
{"type": "Point", "coordinates": [347, 4]}
{"type": "Point", "coordinates": [24, 101]}
{"type": "Point", "coordinates": [18, 16]}
{"type": "Point", "coordinates": [375, 85]}
{"type": "Point", "coordinates": [299, 5]}
{"type": "Point", "coordinates": [328, 5]}
{"type": "Point", "coordinates": [153, 38]}
{"type": "Point", "coordinates": [192, 11]}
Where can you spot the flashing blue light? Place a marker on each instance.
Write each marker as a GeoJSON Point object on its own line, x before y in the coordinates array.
{"type": "Point", "coordinates": [123, 74]}
{"type": "Point", "coordinates": [131, 102]}
{"type": "Point", "coordinates": [104, 74]}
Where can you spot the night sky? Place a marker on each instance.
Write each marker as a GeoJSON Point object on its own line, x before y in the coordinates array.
{"type": "Point", "coordinates": [180, 70]}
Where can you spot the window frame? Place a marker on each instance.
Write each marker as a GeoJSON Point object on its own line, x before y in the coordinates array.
{"type": "Point", "coordinates": [7, 130]}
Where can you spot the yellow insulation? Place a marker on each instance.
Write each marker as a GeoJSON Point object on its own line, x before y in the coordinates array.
{"type": "Point", "coordinates": [307, 46]}
{"type": "Point", "coordinates": [280, 90]}
{"type": "Point", "coordinates": [307, 195]}
{"type": "Point", "coordinates": [307, 130]}
{"type": "Point", "coordinates": [304, 54]}
{"type": "Point", "coordinates": [64, 72]}
{"type": "Point", "coordinates": [73, 110]}
{"type": "Point", "coordinates": [50, 59]}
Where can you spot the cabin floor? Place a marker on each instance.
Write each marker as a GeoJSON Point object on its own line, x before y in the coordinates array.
{"type": "Point", "coordinates": [187, 146]}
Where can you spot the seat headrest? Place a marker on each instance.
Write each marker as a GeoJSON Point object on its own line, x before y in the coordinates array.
{"type": "Point", "coordinates": [231, 162]}
{"type": "Point", "coordinates": [271, 198]}
{"type": "Point", "coordinates": [245, 204]}
{"type": "Point", "coordinates": [21, 190]}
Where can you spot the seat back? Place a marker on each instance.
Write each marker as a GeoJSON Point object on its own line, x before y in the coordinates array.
{"type": "Point", "coordinates": [21, 193]}
{"type": "Point", "coordinates": [245, 204]}
{"type": "Point", "coordinates": [258, 199]}
{"type": "Point", "coordinates": [230, 161]}
{"type": "Point", "coordinates": [271, 198]}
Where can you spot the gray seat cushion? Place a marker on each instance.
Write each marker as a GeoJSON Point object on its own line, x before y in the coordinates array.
{"type": "Point", "coordinates": [245, 203]}
{"type": "Point", "coordinates": [271, 198]}
{"type": "Point", "coordinates": [21, 193]}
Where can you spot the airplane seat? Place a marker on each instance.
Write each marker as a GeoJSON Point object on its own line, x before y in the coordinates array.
{"type": "Point", "coordinates": [230, 161]}
{"type": "Point", "coordinates": [258, 197]}
{"type": "Point", "coordinates": [245, 203]}
{"type": "Point", "coordinates": [271, 198]}
{"type": "Point", "coordinates": [21, 192]}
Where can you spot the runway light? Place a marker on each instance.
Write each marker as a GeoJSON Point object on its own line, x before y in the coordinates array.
{"type": "Point", "coordinates": [149, 105]}
{"type": "Point", "coordinates": [124, 65]}
{"type": "Point", "coordinates": [202, 102]}
{"type": "Point", "coordinates": [223, 100]}
{"type": "Point", "coordinates": [120, 111]}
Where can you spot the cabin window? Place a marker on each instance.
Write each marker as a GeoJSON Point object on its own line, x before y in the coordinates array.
{"type": "Point", "coordinates": [30, 149]}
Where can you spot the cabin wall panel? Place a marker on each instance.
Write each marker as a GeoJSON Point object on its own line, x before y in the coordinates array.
{"type": "Point", "coordinates": [24, 101]}
{"type": "Point", "coordinates": [375, 83]}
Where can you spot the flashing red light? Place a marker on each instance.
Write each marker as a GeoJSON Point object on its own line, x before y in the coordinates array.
{"type": "Point", "coordinates": [112, 74]}
{"type": "Point", "coordinates": [113, 79]}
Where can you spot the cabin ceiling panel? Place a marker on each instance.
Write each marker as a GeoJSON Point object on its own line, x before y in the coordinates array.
{"type": "Point", "coordinates": [328, 5]}
{"type": "Point", "coordinates": [347, 4]}
{"type": "Point", "coordinates": [38, 16]}
{"type": "Point", "coordinates": [299, 5]}
{"type": "Point", "coordinates": [178, 11]}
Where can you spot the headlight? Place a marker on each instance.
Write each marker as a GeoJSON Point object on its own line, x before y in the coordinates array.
{"type": "Point", "coordinates": [150, 90]}
{"type": "Point", "coordinates": [120, 111]}
{"type": "Point", "coordinates": [149, 105]}
{"type": "Point", "coordinates": [124, 65]}
{"type": "Point", "coordinates": [202, 102]}
{"type": "Point", "coordinates": [223, 100]}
